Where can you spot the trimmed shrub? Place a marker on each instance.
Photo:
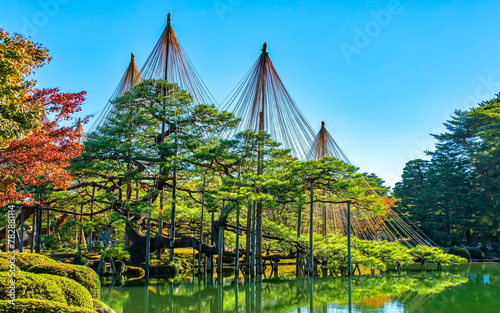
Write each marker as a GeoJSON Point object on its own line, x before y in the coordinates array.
{"type": "Point", "coordinates": [476, 253]}
{"type": "Point", "coordinates": [6, 268]}
{"type": "Point", "coordinates": [39, 306]}
{"type": "Point", "coordinates": [102, 307]}
{"type": "Point", "coordinates": [87, 277]}
{"type": "Point", "coordinates": [6, 265]}
{"type": "Point", "coordinates": [80, 260]}
{"type": "Point", "coordinates": [120, 267]}
{"type": "Point", "coordinates": [27, 260]}
{"type": "Point", "coordinates": [459, 252]}
{"type": "Point", "coordinates": [31, 286]}
{"type": "Point", "coordinates": [74, 293]}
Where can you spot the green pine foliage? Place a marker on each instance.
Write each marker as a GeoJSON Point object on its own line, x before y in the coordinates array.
{"type": "Point", "coordinates": [454, 196]}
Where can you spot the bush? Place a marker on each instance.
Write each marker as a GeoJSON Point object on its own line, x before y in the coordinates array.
{"type": "Point", "coordinates": [476, 253]}
{"type": "Point", "coordinates": [461, 252]}
{"type": "Point", "coordinates": [120, 267]}
{"type": "Point", "coordinates": [484, 249]}
{"type": "Point", "coordinates": [6, 265]}
{"type": "Point", "coordinates": [80, 260]}
{"type": "Point", "coordinates": [39, 306]}
{"type": "Point", "coordinates": [87, 277]}
{"type": "Point", "coordinates": [102, 308]}
{"type": "Point", "coordinates": [27, 260]}
{"type": "Point", "coordinates": [51, 242]}
{"type": "Point", "coordinates": [119, 252]}
{"type": "Point", "coordinates": [31, 286]}
{"type": "Point", "coordinates": [74, 293]}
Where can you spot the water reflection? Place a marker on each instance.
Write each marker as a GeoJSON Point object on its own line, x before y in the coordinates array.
{"type": "Point", "coordinates": [391, 293]}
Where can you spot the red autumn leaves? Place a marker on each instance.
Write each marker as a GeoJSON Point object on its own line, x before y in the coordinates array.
{"type": "Point", "coordinates": [41, 158]}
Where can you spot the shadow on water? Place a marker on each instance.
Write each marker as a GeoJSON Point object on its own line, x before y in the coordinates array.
{"type": "Point", "coordinates": [465, 288]}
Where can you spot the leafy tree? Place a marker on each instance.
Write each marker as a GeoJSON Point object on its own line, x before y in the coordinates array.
{"type": "Point", "coordinates": [19, 109]}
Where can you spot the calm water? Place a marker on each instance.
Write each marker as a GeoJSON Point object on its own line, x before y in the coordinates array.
{"type": "Point", "coordinates": [465, 288]}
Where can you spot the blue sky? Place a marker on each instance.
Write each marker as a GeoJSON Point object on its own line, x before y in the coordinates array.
{"type": "Point", "coordinates": [382, 74]}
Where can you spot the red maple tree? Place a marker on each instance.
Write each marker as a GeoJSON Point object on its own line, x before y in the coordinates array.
{"type": "Point", "coordinates": [42, 157]}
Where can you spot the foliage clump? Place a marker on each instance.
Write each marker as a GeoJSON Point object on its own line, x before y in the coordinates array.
{"type": "Point", "coordinates": [81, 274]}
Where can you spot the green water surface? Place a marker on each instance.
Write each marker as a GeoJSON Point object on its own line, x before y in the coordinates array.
{"type": "Point", "coordinates": [466, 288]}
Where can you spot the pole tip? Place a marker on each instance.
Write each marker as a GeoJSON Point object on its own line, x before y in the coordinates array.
{"type": "Point", "coordinates": [264, 47]}
{"type": "Point", "coordinates": [132, 56]}
{"type": "Point", "coordinates": [322, 124]}
{"type": "Point", "coordinates": [169, 18]}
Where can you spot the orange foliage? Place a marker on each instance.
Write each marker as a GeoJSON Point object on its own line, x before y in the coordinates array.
{"type": "Point", "coordinates": [389, 203]}
{"type": "Point", "coordinates": [41, 158]}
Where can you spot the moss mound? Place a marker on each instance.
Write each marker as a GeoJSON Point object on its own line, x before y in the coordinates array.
{"type": "Point", "coordinates": [81, 274]}
{"type": "Point", "coordinates": [39, 306]}
{"type": "Point", "coordinates": [75, 294]}
{"type": "Point", "coordinates": [27, 260]}
{"type": "Point", "coordinates": [31, 286]}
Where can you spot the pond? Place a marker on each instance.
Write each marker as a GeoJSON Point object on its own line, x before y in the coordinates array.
{"type": "Point", "coordinates": [464, 288]}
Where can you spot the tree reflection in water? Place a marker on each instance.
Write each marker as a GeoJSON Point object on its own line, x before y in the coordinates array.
{"type": "Point", "coordinates": [413, 292]}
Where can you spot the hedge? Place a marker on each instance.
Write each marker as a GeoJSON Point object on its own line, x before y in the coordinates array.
{"type": "Point", "coordinates": [74, 293]}
{"type": "Point", "coordinates": [460, 252]}
{"type": "Point", "coordinates": [31, 286]}
{"type": "Point", "coordinates": [81, 274]}
{"type": "Point", "coordinates": [476, 253]}
{"type": "Point", "coordinates": [39, 306]}
{"type": "Point", "coordinates": [27, 260]}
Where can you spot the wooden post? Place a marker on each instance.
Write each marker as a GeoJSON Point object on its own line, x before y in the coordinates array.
{"type": "Point", "coordinates": [220, 252]}
{"type": "Point", "coordinates": [21, 231]}
{"type": "Point", "coordinates": [311, 230]}
{"type": "Point", "coordinates": [201, 224]}
{"type": "Point", "coordinates": [248, 238]}
{"type": "Point", "coordinates": [160, 222]}
{"type": "Point", "coordinates": [252, 265]}
{"type": "Point", "coordinates": [33, 231]}
{"type": "Point", "coordinates": [105, 244]}
{"type": "Point", "coordinates": [237, 250]}
{"type": "Point", "coordinates": [91, 212]}
{"type": "Point", "coordinates": [325, 220]}
{"type": "Point", "coordinates": [48, 222]}
{"type": "Point", "coordinates": [349, 258]}
{"type": "Point", "coordinates": [299, 230]}
{"type": "Point", "coordinates": [38, 244]}
{"type": "Point", "coordinates": [148, 242]}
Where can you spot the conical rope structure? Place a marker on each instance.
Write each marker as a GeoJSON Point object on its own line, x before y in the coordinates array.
{"type": "Point", "coordinates": [131, 78]}
{"type": "Point", "coordinates": [366, 224]}
{"type": "Point", "coordinates": [262, 102]}
{"type": "Point", "coordinates": [169, 61]}
{"type": "Point", "coordinates": [324, 145]}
